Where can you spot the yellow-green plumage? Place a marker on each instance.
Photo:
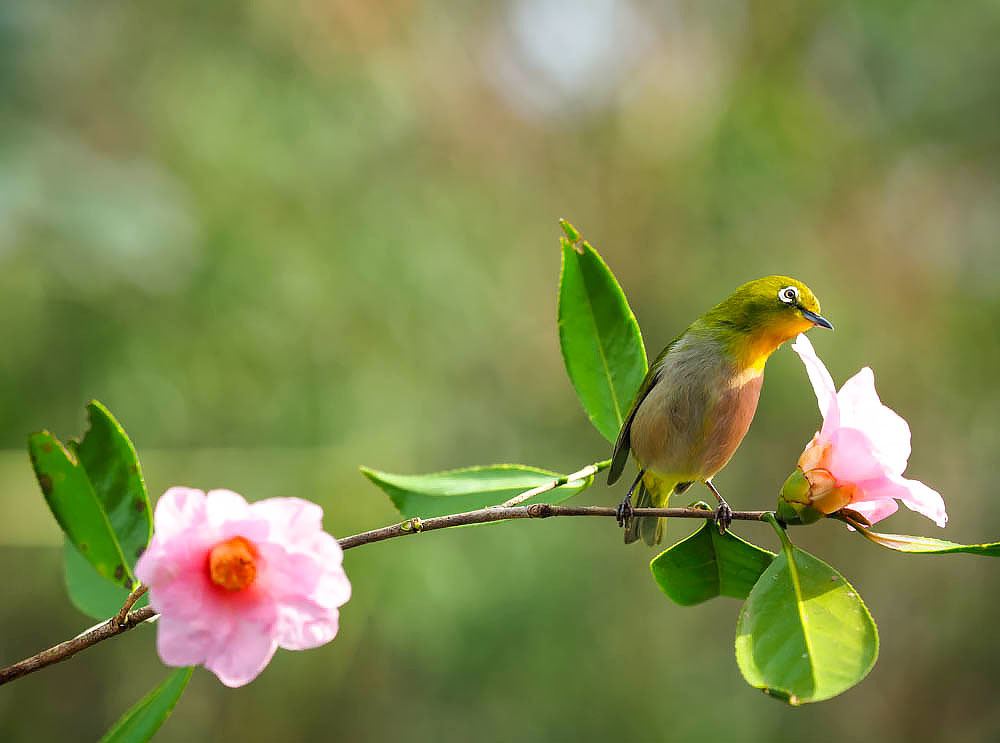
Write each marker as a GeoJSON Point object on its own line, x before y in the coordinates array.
{"type": "Point", "coordinates": [697, 401]}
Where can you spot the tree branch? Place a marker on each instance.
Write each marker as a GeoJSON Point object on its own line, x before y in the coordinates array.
{"type": "Point", "coordinates": [534, 511]}
{"type": "Point", "coordinates": [126, 620]}
{"type": "Point", "coordinates": [68, 649]}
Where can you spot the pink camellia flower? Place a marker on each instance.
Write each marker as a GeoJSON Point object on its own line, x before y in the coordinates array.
{"type": "Point", "coordinates": [234, 581]}
{"type": "Point", "coordinates": [858, 457]}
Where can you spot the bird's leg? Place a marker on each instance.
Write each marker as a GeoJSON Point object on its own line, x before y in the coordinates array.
{"type": "Point", "coordinates": [623, 514]}
{"type": "Point", "coordinates": [723, 514]}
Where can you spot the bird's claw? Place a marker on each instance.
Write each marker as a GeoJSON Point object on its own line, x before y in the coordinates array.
{"type": "Point", "coordinates": [623, 514]}
{"type": "Point", "coordinates": [723, 517]}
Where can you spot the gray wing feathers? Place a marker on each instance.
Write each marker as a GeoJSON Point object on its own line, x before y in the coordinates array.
{"type": "Point", "coordinates": [624, 443]}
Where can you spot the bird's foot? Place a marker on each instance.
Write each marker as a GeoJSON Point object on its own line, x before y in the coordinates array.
{"type": "Point", "coordinates": [723, 516]}
{"type": "Point", "coordinates": [623, 514]}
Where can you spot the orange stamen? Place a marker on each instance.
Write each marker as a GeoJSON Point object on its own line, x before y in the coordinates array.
{"type": "Point", "coordinates": [232, 564]}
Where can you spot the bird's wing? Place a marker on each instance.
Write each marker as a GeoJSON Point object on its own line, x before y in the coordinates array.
{"type": "Point", "coordinates": [624, 443]}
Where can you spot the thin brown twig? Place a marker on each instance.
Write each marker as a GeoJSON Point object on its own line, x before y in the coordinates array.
{"type": "Point", "coordinates": [126, 620]}
{"type": "Point", "coordinates": [137, 594]}
{"type": "Point", "coordinates": [589, 471]}
{"type": "Point", "coordinates": [534, 511]}
{"type": "Point", "coordinates": [68, 649]}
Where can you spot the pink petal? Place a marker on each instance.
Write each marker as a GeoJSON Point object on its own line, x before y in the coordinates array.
{"type": "Point", "coordinates": [181, 643]}
{"type": "Point", "coordinates": [875, 510]}
{"type": "Point", "coordinates": [303, 625]}
{"type": "Point", "coordinates": [822, 382]}
{"type": "Point", "coordinates": [914, 494]}
{"type": "Point", "coordinates": [290, 519]}
{"type": "Point", "coordinates": [178, 509]}
{"type": "Point", "coordinates": [333, 589]}
{"type": "Point", "coordinates": [850, 458]}
{"type": "Point", "coordinates": [187, 596]}
{"type": "Point", "coordinates": [861, 408]}
{"type": "Point", "coordinates": [225, 505]}
{"type": "Point", "coordinates": [288, 573]}
{"type": "Point", "coordinates": [242, 655]}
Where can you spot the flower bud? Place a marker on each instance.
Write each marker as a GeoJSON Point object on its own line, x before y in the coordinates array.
{"type": "Point", "coordinates": [794, 500]}
{"type": "Point", "coordinates": [808, 496]}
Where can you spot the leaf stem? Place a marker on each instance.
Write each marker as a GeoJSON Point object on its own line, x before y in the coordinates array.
{"type": "Point", "coordinates": [786, 543]}
{"type": "Point", "coordinates": [587, 472]}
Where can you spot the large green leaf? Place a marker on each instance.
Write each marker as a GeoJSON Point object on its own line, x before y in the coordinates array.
{"type": "Point", "coordinates": [708, 564]}
{"type": "Point", "coordinates": [925, 545]}
{"type": "Point", "coordinates": [141, 722]}
{"type": "Point", "coordinates": [89, 591]}
{"type": "Point", "coordinates": [96, 493]}
{"type": "Point", "coordinates": [804, 634]}
{"type": "Point", "coordinates": [599, 336]}
{"type": "Point", "coordinates": [112, 466]}
{"type": "Point", "coordinates": [454, 491]}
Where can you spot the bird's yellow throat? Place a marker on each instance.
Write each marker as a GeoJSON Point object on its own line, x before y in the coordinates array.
{"type": "Point", "coordinates": [752, 351]}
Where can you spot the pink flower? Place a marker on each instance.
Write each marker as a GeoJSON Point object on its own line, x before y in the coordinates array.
{"type": "Point", "coordinates": [234, 581]}
{"type": "Point", "coordinates": [858, 457]}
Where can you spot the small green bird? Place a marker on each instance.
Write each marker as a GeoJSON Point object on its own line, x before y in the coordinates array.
{"type": "Point", "coordinates": [695, 405]}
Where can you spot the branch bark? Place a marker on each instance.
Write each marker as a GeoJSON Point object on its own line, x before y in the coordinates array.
{"type": "Point", "coordinates": [68, 649]}
{"type": "Point", "coordinates": [534, 511]}
{"type": "Point", "coordinates": [126, 620]}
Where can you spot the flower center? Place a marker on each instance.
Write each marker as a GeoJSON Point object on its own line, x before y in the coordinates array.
{"type": "Point", "coordinates": [232, 565]}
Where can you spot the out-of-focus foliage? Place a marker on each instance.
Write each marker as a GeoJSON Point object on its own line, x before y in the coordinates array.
{"type": "Point", "coordinates": [280, 239]}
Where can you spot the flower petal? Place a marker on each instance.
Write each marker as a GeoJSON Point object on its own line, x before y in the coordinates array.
{"type": "Point", "coordinates": [178, 509]}
{"type": "Point", "coordinates": [183, 643]}
{"type": "Point", "coordinates": [914, 494]}
{"type": "Point", "coordinates": [822, 382]}
{"type": "Point", "coordinates": [303, 625]}
{"type": "Point", "coordinates": [861, 408]}
{"type": "Point", "coordinates": [850, 459]}
{"type": "Point", "coordinates": [875, 510]}
{"type": "Point", "coordinates": [290, 519]}
{"type": "Point", "coordinates": [243, 654]}
{"type": "Point", "coordinates": [225, 505]}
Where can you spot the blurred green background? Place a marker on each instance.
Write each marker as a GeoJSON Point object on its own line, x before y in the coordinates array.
{"type": "Point", "coordinates": [282, 239]}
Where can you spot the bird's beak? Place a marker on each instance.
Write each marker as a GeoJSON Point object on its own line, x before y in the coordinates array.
{"type": "Point", "coordinates": [817, 319]}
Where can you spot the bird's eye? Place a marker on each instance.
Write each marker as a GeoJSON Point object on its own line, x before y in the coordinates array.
{"type": "Point", "coordinates": [788, 295]}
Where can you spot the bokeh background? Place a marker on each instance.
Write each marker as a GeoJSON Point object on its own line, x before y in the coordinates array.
{"type": "Point", "coordinates": [280, 239]}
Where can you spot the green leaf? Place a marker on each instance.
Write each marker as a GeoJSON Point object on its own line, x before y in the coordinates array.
{"type": "Point", "coordinates": [599, 336]}
{"type": "Point", "coordinates": [141, 722]}
{"type": "Point", "coordinates": [470, 488]}
{"type": "Point", "coordinates": [925, 545]}
{"type": "Point", "coordinates": [89, 591]}
{"type": "Point", "coordinates": [96, 493]}
{"type": "Point", "coordinates": [804, 634]}
{"type": "Point", "coordinates": [112, 466]}
{"type": "Point", "coordinates": [708, 564]}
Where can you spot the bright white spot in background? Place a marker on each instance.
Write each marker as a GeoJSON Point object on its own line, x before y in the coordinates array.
{"type": "Point", "coordinates": [558, 55]}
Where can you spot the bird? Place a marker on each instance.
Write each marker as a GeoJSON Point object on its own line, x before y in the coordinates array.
{"type": "Point", "coordinates": [697, 400]}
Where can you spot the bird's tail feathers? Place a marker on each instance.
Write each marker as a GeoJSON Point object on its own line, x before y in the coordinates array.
{"type": "Point", "coordinates": [650, 528]}
{"type": "Point", "coordinates": [635, 526]}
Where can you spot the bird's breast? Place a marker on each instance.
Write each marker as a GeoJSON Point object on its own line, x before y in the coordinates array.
{"type": "Point", "coordinates": [696, 415]}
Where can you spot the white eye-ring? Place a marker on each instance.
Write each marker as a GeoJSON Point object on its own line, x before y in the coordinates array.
{"type": "Point", "coordinates": [789, 295]}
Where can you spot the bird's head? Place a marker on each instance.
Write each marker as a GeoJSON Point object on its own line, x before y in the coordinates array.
{"type": "Point", "coordinates": [761, 315]}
